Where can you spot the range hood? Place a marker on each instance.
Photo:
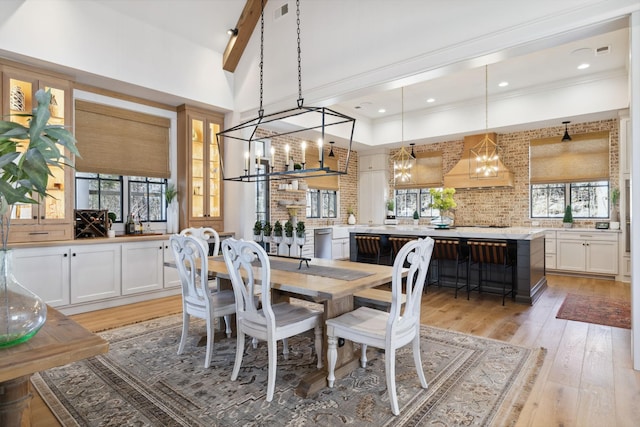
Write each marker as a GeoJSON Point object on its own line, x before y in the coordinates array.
{"type": "Point", "coordinates": [459, 177]}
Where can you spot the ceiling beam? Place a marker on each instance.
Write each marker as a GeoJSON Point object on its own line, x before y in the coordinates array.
{"type": "Point", "coordinates": [246, 24]}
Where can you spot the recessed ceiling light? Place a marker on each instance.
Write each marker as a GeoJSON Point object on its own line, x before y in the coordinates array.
{"type": "Point", "coordinates": [430, 100]}
{"type": "Point", "coordinates": [382, 110]}
{"type": "Point", "coordinates": [583, 66]}
{"type": "Point", "coordinates": [503, 84]}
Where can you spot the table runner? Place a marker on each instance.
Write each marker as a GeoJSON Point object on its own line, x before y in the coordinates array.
{"type": "Point", "coordinates": [315, 270]}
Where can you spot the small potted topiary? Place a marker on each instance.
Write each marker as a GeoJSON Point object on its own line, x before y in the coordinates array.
{"type": "Point", "coordinates": [416, 217]}
{"type": "Point", "coordinates": [266, 232]}
{"type": "Point", "coordinates": [567, 221]}
{"type": "Point", "coordinates": [257, 231]}
{"type": "Point", "coordinates": [391, 214]}
{"type": "Point", "coordinates": [277, 232]}
{"type": "Point", "coordinates": [300, 233]}
{"type": "Point", "coordinates": [112, 218]}
{"type": "Point", "coordinates": [288, 232]}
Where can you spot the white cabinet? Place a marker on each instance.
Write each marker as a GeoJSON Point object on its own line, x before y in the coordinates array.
{"type": "Point", "coordinates": [45, 272]}
{"type": "Point", "coordinates": [171, 277]}
{"type": "Point", "coordinates": [373, 189]}
{"type": "Point", "coordinates": [142, 267]}
{"type": "Point", "coordinates": [340, 248]}
{"type": "Point", "coordinates": [550, 249]}
{"type": "Point", "coordinates": [95, 272]}
{"type": "Point", "coordinates": [587, 252]}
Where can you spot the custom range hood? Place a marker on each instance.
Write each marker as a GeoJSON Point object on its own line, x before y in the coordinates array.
{"type": "Point", "coordinates": [462, 174]}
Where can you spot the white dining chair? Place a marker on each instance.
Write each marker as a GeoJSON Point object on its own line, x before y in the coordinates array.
{"type": "Point", "coordinates": [204, 234]}
{"type": "Point", "coordinates": [270, 322]}
{"type": "Point", "coordinates": [198, 299]}
{"type": "Point", "coordinates": [388, 330]}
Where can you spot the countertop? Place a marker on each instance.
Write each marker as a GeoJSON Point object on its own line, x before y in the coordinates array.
{"type": "Point", "coordinates": [510, 233]}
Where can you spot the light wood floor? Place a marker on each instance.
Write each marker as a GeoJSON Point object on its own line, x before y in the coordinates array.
{"type": "Point", "coordinates": [586, 379]}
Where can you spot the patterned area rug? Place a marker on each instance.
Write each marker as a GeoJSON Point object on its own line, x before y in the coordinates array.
{"type": "Point", "coordinates": [596, 309]}
{"type": "Point", "coordinates": [142, 382]}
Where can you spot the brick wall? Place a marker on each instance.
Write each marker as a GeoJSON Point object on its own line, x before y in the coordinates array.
{"type": "Point", "coordinates": [510, 206]}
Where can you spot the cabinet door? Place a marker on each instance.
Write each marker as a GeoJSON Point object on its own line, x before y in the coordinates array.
{"type": "Point", "coordinates": [197, 190]}
{"type": "Point", "coordinates": [171, 277]}
{"type": "Point", "coordinates": [372, 191]}
{"type": "Point", "coordinates": [602, 257]}
{"type": "Point", "coordinates": [571, 255]}
{"type": "Point", "coordinates": [45, 272]}
{"type": "Point", "coordinates": [142, 268]}
{"type": "Point", "coordinates": [95, 272]}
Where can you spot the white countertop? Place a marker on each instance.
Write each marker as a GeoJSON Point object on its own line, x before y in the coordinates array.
{"type": "Point", "coordinates": [510, 233]}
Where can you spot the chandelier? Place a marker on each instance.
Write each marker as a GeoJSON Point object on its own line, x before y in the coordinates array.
{"type": "Point", "coordinates": [403, 161]}
{"type": "Point", "coordinates": [301, 121]}
{"type": "Point", "coordinates": [484, 156]}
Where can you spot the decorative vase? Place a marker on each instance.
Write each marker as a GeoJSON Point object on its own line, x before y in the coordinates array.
{"type": "Point", "coordinates": [172, 217]}
{"type": "Point", "coordinates": [352, 219]}
{"type": "Point", "coordinates": [416, 221]}
{"type": "Point", "coordinates": [23, 312]}
{"type": "Point", "coordinates": [257, 237]}
{"type": "Point", "coordinates": [442, 221]}
{"type": "Point", "coordinates": [567, 224]}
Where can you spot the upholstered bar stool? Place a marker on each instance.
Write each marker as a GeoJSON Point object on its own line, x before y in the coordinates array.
{"type": "Point", "coordinates": [369, 248]}
{"type": "Point", "coordinates": [490, 252]}
{"type": "Point", "coordinates": [449, 250]}
{"type": "Point", "coordinates": [397, 242]}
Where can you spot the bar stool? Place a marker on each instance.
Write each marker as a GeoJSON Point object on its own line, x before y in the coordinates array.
{"type": "Point", "coordinates": [490, 252]}
{"type": "Point", "coordinates": [397, 242]}
{"type": "Point", "coordinates": [449, 250]}
{"type": "Point", "coordinates": [369, 248]}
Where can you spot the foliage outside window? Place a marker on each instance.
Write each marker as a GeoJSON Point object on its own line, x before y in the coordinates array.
{"type": "Point", "coordinates": [588, 200]}
{"type": "Point", "coordinates": [322, 203]}
{"type": "Point", "coordinates": [411, 200]}
{"type": "Point", "coordinates": [98, 192]}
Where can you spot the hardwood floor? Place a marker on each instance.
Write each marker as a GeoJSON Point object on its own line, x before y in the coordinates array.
{"type": "Point", "coordinates": [587, 377]}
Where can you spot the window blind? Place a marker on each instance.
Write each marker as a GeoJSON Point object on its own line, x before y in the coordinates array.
{"type": "Point", "coordinates": [116, 141]}
{"type": "Point", "coordinates": [323, 181]}
{"type": "Point", "coordinates": [584, 158]}
{"type": "Point", "coordinates": [426, 173]}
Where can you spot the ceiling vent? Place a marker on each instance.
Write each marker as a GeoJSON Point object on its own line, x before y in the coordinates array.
{"type": "Point", "coordinates": [281, 11]}
{"type": "Point", "coordinates": [604, 50]}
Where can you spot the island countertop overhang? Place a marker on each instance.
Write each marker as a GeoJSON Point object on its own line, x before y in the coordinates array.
{"type": "Point", "coordinates": [506, 233]}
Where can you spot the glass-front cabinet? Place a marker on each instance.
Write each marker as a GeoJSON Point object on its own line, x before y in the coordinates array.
{"type": "Point", "coordinates": [199, 169]}
{"type": "Point", "coordinates": [51, 218]}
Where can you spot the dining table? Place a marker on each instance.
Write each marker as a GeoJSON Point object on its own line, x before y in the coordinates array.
{"type": "Point", "coordinates": [329, 283]}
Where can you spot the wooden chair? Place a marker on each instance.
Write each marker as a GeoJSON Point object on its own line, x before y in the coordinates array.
{"type": "Point", "coordinates": [272, 322]}
{"type": "Point", "coordinates": [197, 297]}
{"type": "Point", "coordinates": [204, 234]}
{"type": "Point", "coordinates": [388, 331]}
{"type": "Point", "coordinates": [490, 252]}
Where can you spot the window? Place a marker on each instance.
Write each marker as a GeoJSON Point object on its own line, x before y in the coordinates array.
{"type": "Point", "coordinates": [144, 197]}
{"type": "Point", "coordinates": [587, 199]}
{"type": "Point", "coordinates": [410, 200]}
{"type": "Point", "coordinates": [322, 203]}
{"type": "Point", "coordinates": [99, 191]}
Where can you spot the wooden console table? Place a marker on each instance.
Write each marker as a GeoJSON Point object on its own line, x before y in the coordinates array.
{"type": "Point", "coordinates": [59, 342]}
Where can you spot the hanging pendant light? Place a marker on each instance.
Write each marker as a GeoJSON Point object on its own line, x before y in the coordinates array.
{"type": "Point", "coordinates": [484, 156]}
{"type": "Point", "coordinates": [299, 121]}
{"type": "Point", "coordinates": [566, 136]}
{"type": "Point", "coordinates": [331, 151]}
{"type": "Point", "coordinates": [403, 161]}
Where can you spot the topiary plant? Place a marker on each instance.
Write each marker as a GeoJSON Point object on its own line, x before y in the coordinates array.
{"type": "Point", "coordinates": [288, 229]}
{"type": "Point", "coordinates": [257, 228]}
{"type": "Point", "coordinates": [568, 215]}
{"type": "Point", "coordinates": [300, 229]}
{"type": "Point", "coordinates": [266, 229]}
{"type": "Point", "coordinates": [277, 229]}
{"type": "Point", "coordinates": [416, 215]}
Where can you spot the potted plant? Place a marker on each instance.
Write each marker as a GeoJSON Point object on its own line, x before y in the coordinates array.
{"type": "Point", "coordinates": [277, 232]}
{"type": "Point", "coordinates": [391, 214]}
{"type": "Point", "coordinates": [288, 232]}
{"type": "Point", "coordinates": [257, 231]}
{"type": "Point", "coordinates": [27, 153]}
{"type": "Point", "coordinates": [416, 217]}
{"type": "Point", "coordinates": [442, 200]}
{"type": "Point", "coordinates": [567, 220]}
{"type": "Point", "coordinates": [300, 233]}
{"type": "Point", "coordinates": [615, 216]}
{"type": "Point", "coordinates": [266, 232]}
{"type": "Point", "coordinates": [112, 218]}
{"type": "Point", "coordinates": [351, 220]}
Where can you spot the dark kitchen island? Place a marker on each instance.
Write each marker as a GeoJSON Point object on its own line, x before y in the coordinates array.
{"type": "Point", "coordinates": [527, 242]}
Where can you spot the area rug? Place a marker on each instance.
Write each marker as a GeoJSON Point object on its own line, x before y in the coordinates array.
{"type": "Point", "coordinates": [596, 309]}
{"type": "Point", "coordinates": [141, 381]}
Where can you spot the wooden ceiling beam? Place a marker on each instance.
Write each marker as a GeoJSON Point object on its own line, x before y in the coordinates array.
{"type": "Point", "coordinates": [237, 44]}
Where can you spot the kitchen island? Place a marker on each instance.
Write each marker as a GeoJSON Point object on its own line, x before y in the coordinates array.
{"type": "Point", "coordinates": [528, 243]}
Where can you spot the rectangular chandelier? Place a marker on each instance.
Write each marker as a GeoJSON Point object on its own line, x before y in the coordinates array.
{"type": "Point", "coordinates": [301, 121]}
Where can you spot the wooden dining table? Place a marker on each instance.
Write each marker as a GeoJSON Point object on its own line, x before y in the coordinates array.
{"type": "Point", "coordinates": [317, 285]}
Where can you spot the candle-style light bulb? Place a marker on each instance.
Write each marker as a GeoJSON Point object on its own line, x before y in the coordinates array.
{"type": "Point", "coordinates": [286, 154]}
{"type": "Point", "coordinates": [258, 155]}
{"type": "Point", "coordinates": [246, 161]}
{"type": "Point", "coordinates": [320, 150]}
{"type": "Point", "coordinates": [304, 148]}
{"type": "Point", "coordinates": [273, 156]}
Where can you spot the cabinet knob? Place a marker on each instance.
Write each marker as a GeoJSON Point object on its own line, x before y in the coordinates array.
{"type": "Point", "coordinates": [35, 217]}
{"type": "Point", "coordinates": [65, 255]}
{"type": "Point", "coordinates": [73, 254]}
{"type": "Point", "coordinates": [42, 217]}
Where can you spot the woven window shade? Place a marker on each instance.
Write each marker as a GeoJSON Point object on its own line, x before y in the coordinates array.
{"type": "Point", "coordinates": [584, 158]}
{"type": "Point", "coordinates": [322, 182]}
{"type": "Point", "coordinates": [122, 142]}
{"type": "Point", "coordinates": [427, 171]}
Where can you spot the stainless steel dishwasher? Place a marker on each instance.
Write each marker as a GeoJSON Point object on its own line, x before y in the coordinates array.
{"type": "Point", "coordinates": [322, 243]}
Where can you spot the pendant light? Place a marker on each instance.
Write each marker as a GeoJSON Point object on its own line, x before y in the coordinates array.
{"type": "Point", "coordinates": [484, 156]}
{"type": "Point", "coordinates": [331, 151]}
{"type": "Point", "coordinates": [286, 123]}
{"type": "Point", "coordinates": [403, 161]}
{"type": "Point", "coordinates": [566, 136]}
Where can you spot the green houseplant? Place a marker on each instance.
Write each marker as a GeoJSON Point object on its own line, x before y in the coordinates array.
{"type": "Point", "coordinates": [615, 216]}
{"type": "Point", "coordinates": [288, 229]}
{"type": "Point", "coordinates": [277, 229]}
{"type": "Point", "coordinates": [390, 209]}
{"type": "Point", "coordinates": [27, 153]}
{"type": "Point", "coordinates": [442, 200]}
{"type": "Point", "coordinates": [257, 231]}
{"type": "Point", "coordinates": [266, 231]}
{"type": "Point", "coordinates": [416, 217]}
{"type": "Point", "coordinates": [300, 229]}
{"type": "Point", "coordinates": [567, 220]}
